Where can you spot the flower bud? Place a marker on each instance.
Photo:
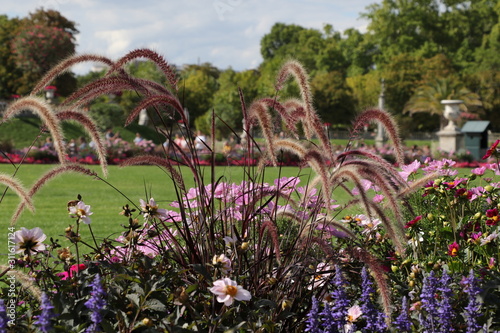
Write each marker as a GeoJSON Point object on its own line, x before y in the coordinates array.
{"type": "Point", "coordinates": [147, 322]}
{"type": "Point", "coordinates": [407, 261]}
{"type": "Point", "coordinates": [286, 304]}
{"type": "Point", "coordinates": [489, 188]}
{"type": "Point", "coordinates": [430, 217]}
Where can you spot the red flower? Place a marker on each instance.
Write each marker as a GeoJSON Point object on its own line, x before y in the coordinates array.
{"type": "Point", "coordinates": [72, 270]}
{"type": "Point", "coordinates": [453, 249]}
{"type": "Point", "coordinates": [491, 150]}
{"type": "Point", "coordinates": [412, 222]}
{"type": "Point", "coordinates": [493, 217]}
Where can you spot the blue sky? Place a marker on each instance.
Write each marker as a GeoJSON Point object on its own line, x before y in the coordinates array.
{"type": "Point", "coordinates": [225, 33]}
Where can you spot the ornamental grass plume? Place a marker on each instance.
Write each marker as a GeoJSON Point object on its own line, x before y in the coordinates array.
{"type": "Point", "coordinates": [15, 185]}
{"type": "Point", "coordinates": [93, 131]}
{"type": "Point", "coordinates": [65, 65]}
{"type": "Point", "coordinates": [46, 114]}
{"type": "Point", "coordinates": [44, 320]}
{"type": "Point", "coordinates": [25, 280]}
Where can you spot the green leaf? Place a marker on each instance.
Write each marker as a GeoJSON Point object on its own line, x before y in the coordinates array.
{"type": "Point", "coordinates": [155, 305]}
{"type": "Point", "coordinates": [135, 299]}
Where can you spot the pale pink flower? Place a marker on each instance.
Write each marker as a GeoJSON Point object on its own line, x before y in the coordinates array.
{"type": "Point", "coordinates": [489, 238]}
{"type": "Point", "coordinates": [353, 314]}
{"type": "Point", "coordinates": [409, 169]}
{"type": "Point", "coordinates": [479, 171]}
{"type": "Point", "coordinates": [287, 184]}
{"type": "Point", "coordinates": [223, 263]}
{"type": "Point", "coordinates": [476, 192]}
{"type": "Point", "coordinates": [81, 211]}
{"type": "Point", "coordinates": [444, 167]}
{"type": "Point", "coordinates": [230, 241]}
{"type": "Point", "coordinates": [366, 185]}
{"type": "Point", "coordinates": [378, 198]}
{"type": "Point", "coordinates": [228, 290]}
{"type": "Point", "coordinates": [29, 241]}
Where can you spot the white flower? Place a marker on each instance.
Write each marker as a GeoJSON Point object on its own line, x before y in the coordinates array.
{"type": "Point", "coordinates": [222, 262]}
{"type": "Point", "coordinates": [82, 211]}
{"type": "Point", "coordinates": [228, 290]}
{"type": "Point", "coordinates": [367, 223]}
{"type": "Point", "coordinates": [151, 210]}
{"type": "Point", "coordinates": [323, 271]}
{"type": "Point", "coordinates": [29, 241]}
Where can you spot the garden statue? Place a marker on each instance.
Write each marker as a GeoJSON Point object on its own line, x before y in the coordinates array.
{"type": "Point", "coordinates": [450, 137]}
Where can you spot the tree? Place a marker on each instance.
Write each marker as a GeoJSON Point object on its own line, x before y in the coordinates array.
{"type": "Point", "coordinates": [466, 24]}
{"type": "Point", "coordinates": [197, 88]}
{"type": "Point", "coordinates": [428, 27]}
{"type": "Point", "coordinates": [333, 98]}
{"type": "Point", "coordinates": [402, 75]}
{"type": "Point", "coordinates": [52, 18]}
{"type": "Point", "coordinates": [281, 36]}
{"type": "Point", "coordinates": [42, 40]}
{"type": "Point", "coordinates": [227, 104]}
{"type": "Point", "coordinates": [428, 97]}
{"type": "Point", "coordinates": [365, 89]}
{"type": "Point", "coordinates": [358, 51]}
{"type": "Point", "coordinates": [9, 73]}
{"type": "Point", "coordinates": [402, 26]}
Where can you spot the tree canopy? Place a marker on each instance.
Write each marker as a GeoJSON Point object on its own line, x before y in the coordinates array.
{"type": "Point", "coordinates": [416, 46]}
{"type": "Point", "coordinates": [32, 45]}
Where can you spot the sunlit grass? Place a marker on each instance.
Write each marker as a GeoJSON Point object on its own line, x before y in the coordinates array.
{"type": "Point", "coordinates": [131, 183]}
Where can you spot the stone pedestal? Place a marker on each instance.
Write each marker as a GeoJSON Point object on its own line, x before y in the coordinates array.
{"type": "Point", "coordinates": [450, 140]}
{"type": "Point", "coordinates": [450, 137]}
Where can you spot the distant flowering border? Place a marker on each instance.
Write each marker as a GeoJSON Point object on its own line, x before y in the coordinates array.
{"type": "Point", "coordinates": [92, 160]}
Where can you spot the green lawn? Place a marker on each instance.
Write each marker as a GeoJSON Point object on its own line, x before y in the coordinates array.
{"type": "Point", "coordinates": [134, 182]}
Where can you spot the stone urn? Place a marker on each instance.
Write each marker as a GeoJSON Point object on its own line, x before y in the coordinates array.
{"type": "Point", "coordinates": [451, 113]}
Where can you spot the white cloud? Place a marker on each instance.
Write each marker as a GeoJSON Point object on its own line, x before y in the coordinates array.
{"type": "Point", "coordinates": [223, 32]}
{"type": "Point", "coordinates": [117, 41]}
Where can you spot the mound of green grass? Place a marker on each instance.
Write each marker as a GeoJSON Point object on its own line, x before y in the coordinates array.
{"type": "Point", "coordinates": [20, 132]}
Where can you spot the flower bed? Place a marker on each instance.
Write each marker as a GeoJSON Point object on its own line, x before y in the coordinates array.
{"type": "Point", "coordinates": [410, 249]}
